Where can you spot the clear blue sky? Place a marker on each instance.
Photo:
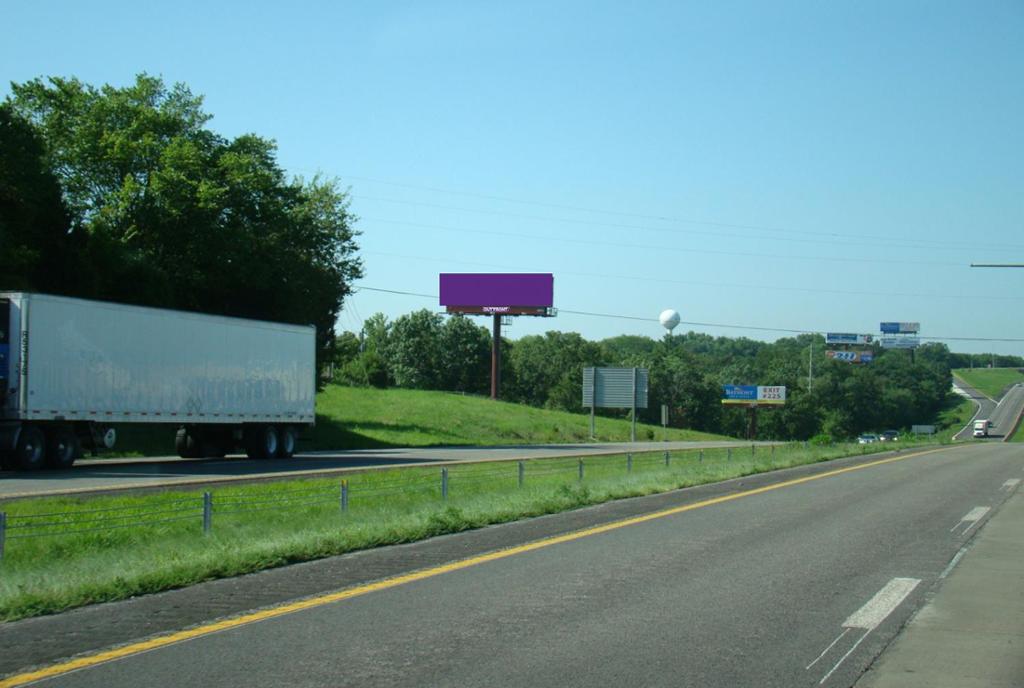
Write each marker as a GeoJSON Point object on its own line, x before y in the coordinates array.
{"type": "Point", "coordinates": [818, 166]}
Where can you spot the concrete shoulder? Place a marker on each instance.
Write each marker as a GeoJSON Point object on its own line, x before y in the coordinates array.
{"type": "Point", "coordinates": [972, 632]}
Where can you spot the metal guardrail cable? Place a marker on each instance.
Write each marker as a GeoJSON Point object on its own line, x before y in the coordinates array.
{"type": "Point", "coordinates": [198, 501]}
{"type": "Point", "coordinates": [52, 524]}
{"type": "Point", "coordinates": [302, 499]}
{"type": "Point", "coordinates": [362, 491]}
{"type": "Point", "coordinates": [294, 491]}
{"type": "Point", "coordinates": [218, 511]}
{"type": "Point", "coordinates": [25, 536]}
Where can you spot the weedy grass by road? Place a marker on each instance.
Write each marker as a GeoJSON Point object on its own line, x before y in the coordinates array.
{"type": "Point", "coordinates": [992, 381]}
{"type": "Point", "coordinates": [350, 417]}
{"type": "Point", "coordinates": [260, 526]}
{"type": "Point", "coordinates": [361, 418]}
{"type": "Point", "coordinates": [958, 415]}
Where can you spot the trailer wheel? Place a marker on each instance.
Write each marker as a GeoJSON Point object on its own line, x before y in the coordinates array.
{"type": "Point", "coordinates": [186, 444]}
{"type": "Point", "coordinates": [61, 447]}
{"type": "Point", "coordinates": [30, 451]}
{"type": "Point", "coordinates": [286, 444]}
{"type": "Point", "coordinates": [261, 442]}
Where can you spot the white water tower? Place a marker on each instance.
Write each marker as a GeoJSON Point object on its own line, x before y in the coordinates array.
{"type": "Point", "coordinates": [669, 319]}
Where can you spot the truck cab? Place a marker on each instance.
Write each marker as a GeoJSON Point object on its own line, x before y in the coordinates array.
{"type": "Point", "coordinates": [981, 428]}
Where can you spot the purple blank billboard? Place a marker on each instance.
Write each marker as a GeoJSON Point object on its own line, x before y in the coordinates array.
{"type": "Point", "coordinates": [475, 290]}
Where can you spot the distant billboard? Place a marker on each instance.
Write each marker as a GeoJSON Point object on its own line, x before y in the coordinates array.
{"type": "Point", "coordinates": [900, 328]}
{"type": "Point", "coordinates": [851, 356]}
{"type": "Point", "coordinates": [847, 338]}
{"type": "Point", "coordinates": [900, 342]}
{"type": "Point", "coordinates": [753, 395]}
{"type": "Point", "coordinates": [497, 293]}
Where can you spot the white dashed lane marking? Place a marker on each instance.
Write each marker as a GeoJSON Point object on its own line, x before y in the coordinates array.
{"type": "Point", "coordinates": [869, 617]}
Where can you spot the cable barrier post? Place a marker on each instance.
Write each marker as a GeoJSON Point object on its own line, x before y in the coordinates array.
{"type": "Point", "coordinates": [207, 512]}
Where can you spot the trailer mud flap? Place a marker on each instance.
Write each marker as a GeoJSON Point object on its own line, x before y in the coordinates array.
{"type": "Point", "coordinates": [9, 433]}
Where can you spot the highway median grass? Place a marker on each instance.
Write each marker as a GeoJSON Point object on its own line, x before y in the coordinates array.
{"type": "Point", "coordinates": [125, 552]}
{"type": "Point", "coordinates": [993, 382]}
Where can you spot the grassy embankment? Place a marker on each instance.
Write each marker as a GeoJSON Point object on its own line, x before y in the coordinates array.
{"type": "Point", "coordinates": [359, 418]}
{"type": "Point", "coordinates": [957, 415]}
{"type": "Point", "coordinates": [992, 381]}
{"type": "Point", "coordinates": [49, 574]}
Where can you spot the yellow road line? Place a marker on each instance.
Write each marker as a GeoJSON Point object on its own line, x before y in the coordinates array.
{"type": "Point", "coordinates": [264, 614]}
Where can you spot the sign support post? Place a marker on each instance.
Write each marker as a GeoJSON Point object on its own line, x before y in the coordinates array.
{"type": "Point", "coordinates": [632, 431]}
{"type": "Point", "coordinates": [496, 295]}
{"type": "Point", "coordinates": [496, 358]}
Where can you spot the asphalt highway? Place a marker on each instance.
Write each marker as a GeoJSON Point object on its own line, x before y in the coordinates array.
{"type": "Point", "coordinates": [98, 475]}
{"type": "Point", "coordinates": [1003, 413]}
{"type": "Point", "coordinates": [798, 578]}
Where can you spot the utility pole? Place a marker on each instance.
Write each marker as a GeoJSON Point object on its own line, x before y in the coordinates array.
{"type": "Point", "coordinates": [810, 365]}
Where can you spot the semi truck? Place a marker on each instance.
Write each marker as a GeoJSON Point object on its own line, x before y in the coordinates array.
{"type": "Point", "coordinates": [981, 428]}
{"type": "Point", "coordinates": [73, 370]}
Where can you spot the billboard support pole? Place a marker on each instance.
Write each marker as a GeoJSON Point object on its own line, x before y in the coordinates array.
{"type": "Point", "coordinates": [752, 431]}
{"type": "Point", "coordinates": [496, 358]}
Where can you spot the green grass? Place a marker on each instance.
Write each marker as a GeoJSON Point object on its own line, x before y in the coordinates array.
{"type": "Point", "coordinates": [358, 418]}
{"type": "Point", "coordinates": [957, 415]}
{"type": "Point", "coordinates": [42, 575]}
{"type": "Point", "coordinates": [992, 381]}
{"type": "Point", "coordinates": [350, 417]}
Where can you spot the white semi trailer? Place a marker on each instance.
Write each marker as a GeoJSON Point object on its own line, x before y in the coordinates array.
{"type": "Point", "coordinates": [71, 370]}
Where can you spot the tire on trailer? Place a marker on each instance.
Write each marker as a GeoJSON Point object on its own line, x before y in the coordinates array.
{"type": "Point", "coordinates": [30, 451]}
{"type": "Point", "coordinates": [286, 439]}
{"type": "Point", "coordinates": [187, 444]}
{"type": "Point", "coordinates": [62, 447]}
{"type": "Point", "coordinates": [261, 442]}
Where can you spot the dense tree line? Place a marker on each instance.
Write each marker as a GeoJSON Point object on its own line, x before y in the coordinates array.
{"type": "Point", "coordinates": [125, 194]}
{"type": "Point", "coordinates": [424, 350]}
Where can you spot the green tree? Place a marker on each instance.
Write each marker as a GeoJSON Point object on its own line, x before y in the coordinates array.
{"type": "Point", "coordinates": [40, 251]}
{"type": "Point", "coordinates": [548, 370]}
{"type": "Point", "coordinates": [180, 217]}
{"type": "Point", "coordinates": [414, 350]}
{"type": "Point", "coordinates": [465, 356]}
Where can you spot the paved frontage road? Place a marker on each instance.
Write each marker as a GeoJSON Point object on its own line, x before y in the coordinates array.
{"type": "Point", "coordinates": [121, 474]}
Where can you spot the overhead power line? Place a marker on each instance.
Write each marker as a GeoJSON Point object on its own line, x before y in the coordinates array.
{"type": "Point", "coordinates": [701, 324]}
{"type": "Point", "coordinates": [668, 280]}
{"type": "Point", "coordinates": [649, 247]}
{"type": "Point", "coordinates": [844, 240]}
{"type": "Point", "coordinates": [645, 216]}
